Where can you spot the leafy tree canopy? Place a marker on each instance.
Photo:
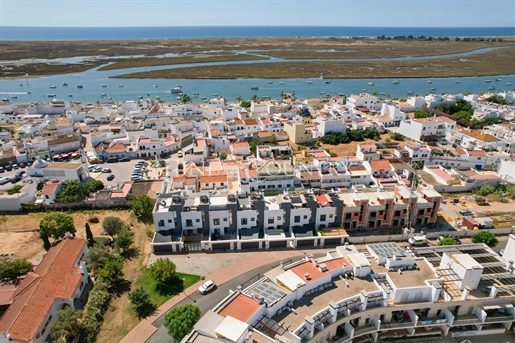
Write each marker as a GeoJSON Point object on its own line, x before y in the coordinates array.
{"type": "Point", "coordinates": [111, 273]}
{"type": "Point", "coordinates": [112, 225]}
{"type": "Point", "coordinates": [66, 325]}
{"type": "Point", "coordinates": [447, 241]}
{"type": "Point", "coordinates": [180, 320]}
{"type": "Point", "coordinates": [123, 241]}
{"type": "Point", "coordinates": [485, 237]}
{"type": "Point", "coordinates": [56, 225]}
{"type": "Point", "coordinates": [140, 300]}
{"type": "Point", "coordinates": [142, 207]}
{"type": "Point", "coordinates": [162, 270]}
{"type": "Point", "coordinates": [14, 269]}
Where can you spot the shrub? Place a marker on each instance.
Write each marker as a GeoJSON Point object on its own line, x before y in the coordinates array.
{"type": "Point", "coordinates": [485, 237]}
{"type": "Point", "coordinates": [180, 320]}
{"type": "Point", "coordinates": [93, 220]}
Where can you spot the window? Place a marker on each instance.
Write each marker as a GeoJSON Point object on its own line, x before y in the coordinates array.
{"type": "Point", "coordinates": [225, 219]}
{"type": "Point", "coordinates": [478, 158]}
{"type": "Point", "coordinates": [323, 218]}
{"type": "Point", "coordinates": [279, 217]}
{"type": "Point", "coordinates": [330, 216]}
{"type": "Point", "coordinates": [243, 221]}
{"type": "Point", "coordinates": [216, 221]}
{"type": "Point", "coordinates": [169, 221]}
{"type": "Point", "coordinates": [270, 220]}
{"type": "Point", "coordinates": [252, 219]}
{"type": "Point", "coordinates": [161, 223]}
{"type": "Point", "coordinates": [189, 222]}
{"type": "Point", "coordinates": [296, 219]}
{"type": "Point", "coordinates": [305, 217]}
{"type": "Point", "coordinates": [81, 285]}
{"type": "Point", "coordinates": [46, 324]}
{"type": "Point", "coordinates": [420, 212]}
{"type": "Point", "coordinates": [198, 220]}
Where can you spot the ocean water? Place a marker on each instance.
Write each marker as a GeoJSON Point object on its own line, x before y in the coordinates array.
{"type": "Point", "coordinates": [10, 33]}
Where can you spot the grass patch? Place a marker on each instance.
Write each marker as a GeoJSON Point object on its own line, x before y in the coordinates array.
{"type": "Point", "coordinates": [101, 240]}
{"type": "Point", "coordinates": [160, 296]}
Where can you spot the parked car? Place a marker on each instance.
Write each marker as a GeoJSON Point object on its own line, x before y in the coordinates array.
{"type": "Point", "coordinates": [208, 286]}
{"type": "Point", "coordinates": [124, 159]}
{"type": "Point", "coordinates": [97, 169]}
{"type": "Point", "coordinates": [22, 174]}
{"type": "Point", "coordinates": [16, 179]}
{"type": "Point", "coordinates": [2, 169]}
{"type": "Point", "coordinates": [466, 213]}
{"type": "Point", "coordinates": [106, 170]}
{"type": "Point", "coordinates": [110, 177]}
{"type": "Point", "coordinates": [15, 166]}
{"type": "Point", "coordinates": [180, 166]}
{"type": "Point", "coordinates": [137, 178]}
{"type": "Point", "coordinates": [179, 154]}
{"type": "Point", "coordinates": [22, 165]}
{"type": "Point", "coordinates": [8, 168]}
{"type": "Point", "coordinates": [112, 160]}
{"type": "Point", "coordinates": [4, 180]}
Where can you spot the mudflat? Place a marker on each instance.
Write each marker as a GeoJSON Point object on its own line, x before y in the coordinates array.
{"type": "Point", "coordinates": [155, 52]}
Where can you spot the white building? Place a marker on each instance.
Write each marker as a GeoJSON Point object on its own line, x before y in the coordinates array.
{"type": "Point", "coordinates": [427, 129]}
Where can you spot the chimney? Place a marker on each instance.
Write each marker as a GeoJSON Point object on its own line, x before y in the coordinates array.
{"type": "Point", "coordinates": [306, 276]}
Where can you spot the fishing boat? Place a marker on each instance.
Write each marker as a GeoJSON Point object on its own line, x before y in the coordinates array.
{"type": "Point", "coordinates": [395, 82]}
{"type": "Point", "coordinates": [65, 84]}
{"type": "Point", "coordinates": [457, 81]}
{"type": "Point", "coordinates": [498, 79]}
{"type": "Point", "coordinates": [309, 82]}
{"type": "Point", "coordinates": [195, 93]}
{"type": "Point", "coordinates": [370, 83]}
{"type": "Point", "coordinates": [120, 85]}
{"type": "Point", "coordinates": [70, 95]}
{"type": "Point", "coordinates": [488, 81]}
{"type": "Point", "coordinates": [52, 86]}
{"type": "Point", "coordinates": [410, 92]}
{"type": "Point", "coordinates": [270, 82]}
{"type": "Point", "coordinates": [104, 86]}
{"type": "Point", "coordinates": [51, 95]}
{"type": "Point", "coordinates": [79, 86]}
{"type": "Point", "coordinates": [508, 83]}
{"type": "Point", "coordinates": [281, 83]}
{"type": "Point", "coordinates": [429, 81]}
{"type": "Point", "coordinates": [327, 82]}
{"type": "Point", "coordinates": [177, 90]}
{"type": "Point", "coordinates": [254, 87]}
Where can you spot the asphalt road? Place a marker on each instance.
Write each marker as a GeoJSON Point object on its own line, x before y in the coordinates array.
{"type": "Point", "coordinates": [208, 301]}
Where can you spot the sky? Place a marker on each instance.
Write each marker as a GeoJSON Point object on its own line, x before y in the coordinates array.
{"type": "Point", "coordinates": [379, 13]}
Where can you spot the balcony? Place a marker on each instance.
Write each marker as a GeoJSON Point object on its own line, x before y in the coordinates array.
{"type": "Point", "coordinates": [468, 319]}
{"type": "Point", "coordinates": [393, 325]}
{"type": "Point", "coordinates": [499, 318]}
{"type": "Point", "coordinates": [364, 330]}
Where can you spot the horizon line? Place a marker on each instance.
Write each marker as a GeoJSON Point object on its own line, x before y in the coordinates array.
{"type": "Point", "coordinates": [300, 26]}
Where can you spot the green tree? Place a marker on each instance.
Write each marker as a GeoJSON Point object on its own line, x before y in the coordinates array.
{"type": "Point", "coordinates": [93, 186]}
{"type": "Point", "coordinates": [162, 270]}
{"type": "Point", "coordinates": [123, 241]}
{"type": "Point", "coordinates": [272, 139]}
{"type": "Point", "coordinates": [140, 300]}
{"type": "Point", "coordinates": [112, 225]}
{"type": "Point", "coordinates": [486, 190]}
{"type": "Point", "coordinates": [253, 143]}
{"type": "Point", "coordinates": [67, 324]}
{"type": "Point", "coordinates": [485, 237]}
{"type": "Point", "coordinates": [239, 99]}
{"type": "Point", "coordinates": [254, 98]}
{"type": "Point", "coordinates": [447, 241]}
{"type": "Point", "coordinates": [12, 270]}
{"type": "Point", "coordinates": [89, 236]}
{"type": "Point", "coordinates": [497, 99]}
{"type": "Point", "coordinates": [73, 191]}
{"type": "Point", "coordinates": [99, 255]}
{"type": "Point", "coordinates": [245, 104]}
{"type": "Point", "coordinates": [186, 99]}
{"type": "Point", "coordinates": [180, 320]}
{"type": "Point", "coordinates": [397, 136]}
{"type": "Point", "coordinates": [422, 114]}
{"type": "Point", "coordinates": [55, 225]}
{"type": "Point", "coordinates": [462, 117]}
{"type": "Point", "coordinates": [111, 273]}
{"type": "Point", "coordinates": [14, 190]}
{"type": "Point", "coordinates": [223, 156]}
{"type": "Point", "coordinates": [142, 207]}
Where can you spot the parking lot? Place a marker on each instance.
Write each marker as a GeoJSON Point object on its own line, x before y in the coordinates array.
{"type": "Point", "coordinates": [122, 172]}
{"type": "Point", "coordinates": [11, 174]}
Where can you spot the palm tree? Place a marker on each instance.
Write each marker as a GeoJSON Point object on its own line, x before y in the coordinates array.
{"type": "Point", "coordinates": [239, 99]}
{"type": "Point", "coordinates": [186, 99]}
{"type": "Point", "coordinates": [255, 98]}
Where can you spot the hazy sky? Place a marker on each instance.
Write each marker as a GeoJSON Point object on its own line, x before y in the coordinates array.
{"type": "Point", "coordinates": [411, 13]}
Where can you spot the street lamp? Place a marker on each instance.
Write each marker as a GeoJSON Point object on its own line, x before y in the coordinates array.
{"type": "Point", "coordinates": [184, 286]}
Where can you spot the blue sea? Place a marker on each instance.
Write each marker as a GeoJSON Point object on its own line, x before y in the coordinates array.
{"type": "Point", "coordinates": [12, 33]}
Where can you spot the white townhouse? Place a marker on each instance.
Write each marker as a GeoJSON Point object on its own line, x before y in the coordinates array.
{"type": "Point", "coordinates": [427, 129]}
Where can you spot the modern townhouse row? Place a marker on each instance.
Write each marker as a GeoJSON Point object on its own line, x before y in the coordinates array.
{"type": "Point", "coordinates": [225, 221]}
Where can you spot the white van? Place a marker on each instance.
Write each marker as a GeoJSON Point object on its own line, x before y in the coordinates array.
{"type": "Point", "coordinates": [417, 240]}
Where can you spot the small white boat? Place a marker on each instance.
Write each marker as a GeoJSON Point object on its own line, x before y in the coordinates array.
{"type": "Point", "coordinates": [498, 79]}
{"type": "Point", "coordinates": [270, 82]}
{"type": "Point", "coordinates": [382, 93]}
{"type": "Point", "coordinates": [370, 83]}
{"type": "Point", "coordinates": [157, 97]}
{"type": "Point", "coordinates": [177, 90]}
{"type": "Point", "coordinates": [327, 82]}
{"type": "Point", "coordinates": [309, 82]}
{"type": "Point", "coordinates": [488, 81]}
{"type": "Point", "coordinates": [410, 92]}
{"type": "Point", "coordinates": [341, 94]}
{"type": "Point", "coordinates": [70, 95]}
{"type": "Point", "coordinates": [508, 83]}
{"type": "Point", "coordinates": [322, 92]}
{"type": "Point", "coordinates": [79, 86]}
{"type": "Point", "coordinates": [104, 86]}
{"type": "Point", "coordinates": [155, 86]}
{"type": "Point", "coordinates": [457, 81]}
{"type": "Point", "coordinates": [65, 84]}
{"type": "Point", "coordinates": [51, 95]}
{"type": "Point", "coordinates": [5, 100]}
{"type": "Point", "coordinates": [281, 83]}
{"type": "Point", "coordinates": [104, 94]}
{"type": "Point", "coordinates": [14, 97]}
{"type": "Point", "coordinates": [52, 87]}
{"type": "Point", "coordinates": [429, 81]}
{"type": "Point", "coordinates": [195, 93]}
{"type": "Point", "coordinates": [395, 82]}
{"type": "Point", "coordinates": [491, 88]}
{"type": "Point", "coordinates": [140, 97]}
{"type": "Point", "coordinates": [254, 87]}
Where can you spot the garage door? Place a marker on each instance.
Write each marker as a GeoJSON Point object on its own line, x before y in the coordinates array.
{"type": "Point", "coordinates": [306, 243]}
{"type": "Point", "coordinates": [278, 244]}
{"type": "Point", "coordinates": [332, 241]}
{"type": "Point", "coordinates": [162, 249]}
{"type": "Point", "coordinates": [250, 245]}
{"type": "Point", "coordinates": [222, 246]}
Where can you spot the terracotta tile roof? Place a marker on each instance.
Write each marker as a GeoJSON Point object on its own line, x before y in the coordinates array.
{"type": "Point", "coordinates": [477, 153]}
{"type": "Point", "coordinates": [241, 308]}
{"type": "Point", "coordinates": [250, 122]}
{"type": "Point", "coordinates": [57, 277]}
{"type": "Point", "coordinates": [240, 145]}
{"type": "Point", "coordinates": [264, 134]}
{"type": "Point", "coordinates": [51, 186]}
{"type": "Point", "coordinates": [118, 147]}
{"type": "Point", "coordinates": [213, 178]}
{"type": "Point", "coordinates": [380, 164]}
